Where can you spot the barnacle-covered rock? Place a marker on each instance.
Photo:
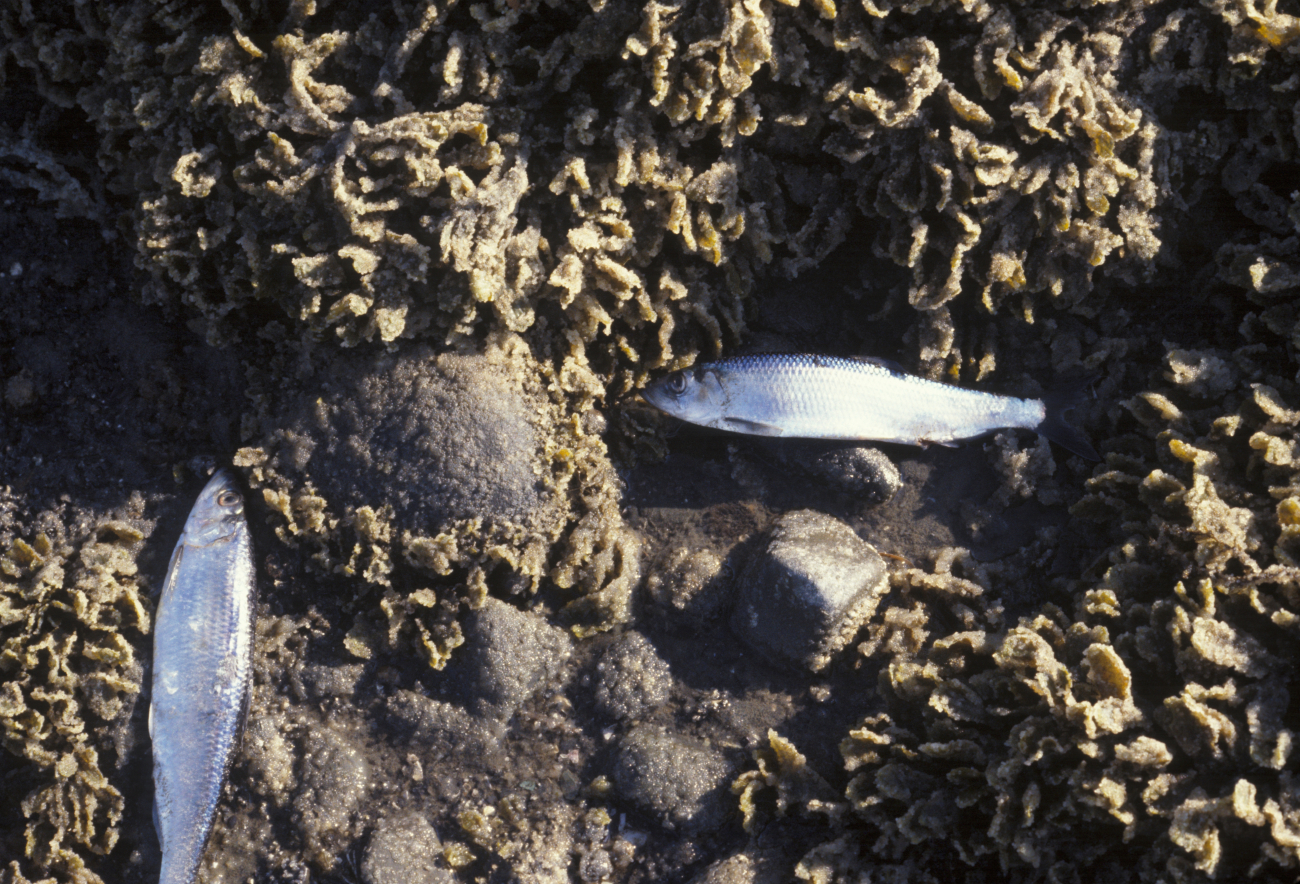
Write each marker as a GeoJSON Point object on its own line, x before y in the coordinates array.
{"type": "Point", "coordinates": [677, 780]}
{"type": "Point", "coordinates": [631, 679]}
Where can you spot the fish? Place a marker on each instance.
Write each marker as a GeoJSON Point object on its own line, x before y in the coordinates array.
{"type": "Point", "coordinates": [202, 673]}
{"type": "Point", "coordinates": [808, 396]}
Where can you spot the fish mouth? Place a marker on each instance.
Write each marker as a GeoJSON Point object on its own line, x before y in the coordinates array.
{"type": "Point", "coordinates": [655, 395]}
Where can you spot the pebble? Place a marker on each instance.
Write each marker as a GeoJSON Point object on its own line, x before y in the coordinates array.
{"type": "Point", "coordinates": [405, 849]}
{"type": "Point", "coordinates": [692, 587]}
{"type": "Point", "coordinates": [804, 596]}
{"type": "Point", "coordinates": [861, 472]}
{"type": "Point", "coordinates": [508, 656]}
{"type": "Point", "coordinates": [678, 780]}
{"type": "Point", "coordinates": [632, 678]}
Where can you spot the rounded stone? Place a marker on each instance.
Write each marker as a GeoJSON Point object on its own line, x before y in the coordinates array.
{"type": "Point", "coordinates": [679, 781]}
{"type": "Point", "coordinates": [631, 678]}
{"type": "Point", "coordinates": [508, 656]}
{"type": "Point", "coordinates": [861, 472]}
{"type": "Point", "coordinates": [692, 586]}
{"type": "Point", "coordinates": [404, 849]}
{"type": "Point", "coordinates": [438, 437]}
{"type": "Point", "coordinates": [804, 596]}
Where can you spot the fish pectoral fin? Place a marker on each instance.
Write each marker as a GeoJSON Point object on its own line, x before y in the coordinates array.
{"type": "Point", "coordinates": [754, 428]}
{"type": "Point", "coordinates": [172, 568]}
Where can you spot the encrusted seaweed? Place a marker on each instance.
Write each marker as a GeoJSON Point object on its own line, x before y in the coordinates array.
{"type": "Point", "coordinates": [70, 610]}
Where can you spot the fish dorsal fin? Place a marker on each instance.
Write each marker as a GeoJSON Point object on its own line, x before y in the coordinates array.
{"type": "Point", "coordinates": [753, 428]}
{"type": "Point", "coordinates": [887, 364]}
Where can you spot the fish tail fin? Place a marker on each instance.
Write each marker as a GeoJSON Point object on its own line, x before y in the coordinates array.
{"type": "Point", "coordinates": [1059, 403]}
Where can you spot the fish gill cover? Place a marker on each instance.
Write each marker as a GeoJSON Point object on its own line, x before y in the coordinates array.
{"type": "Point", "coordinates": [605, 183]}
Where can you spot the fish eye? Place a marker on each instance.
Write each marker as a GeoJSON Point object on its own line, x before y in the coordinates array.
{"type": "Point", "coordinates": [676, 383]}
{"type": "Point", "coordinates": [228, 498]}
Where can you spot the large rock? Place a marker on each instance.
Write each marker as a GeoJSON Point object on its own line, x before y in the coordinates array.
{"type": "Point", "coordinates": [438, 437]}
{"type": "Point", "coordinates": [805, 595]}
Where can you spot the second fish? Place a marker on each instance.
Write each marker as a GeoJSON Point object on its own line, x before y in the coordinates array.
{"type": "Point", "coordinates": [202, 667]}
{"type": "Point", "coordinates": [806, 396]}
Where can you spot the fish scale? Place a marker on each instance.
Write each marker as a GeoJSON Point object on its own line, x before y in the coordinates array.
{"type": "Point", "coordinates": [826, 397]}
{"type": "Point", "coordinates": [201, 673]}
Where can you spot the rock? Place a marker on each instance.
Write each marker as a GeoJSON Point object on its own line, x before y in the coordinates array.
{"type": "Point", "coordinates": [438, 438]}
{"type": "Point", "coordinates": [744, 868]}
{"type": "Point", "coordinates": [804, 596]}
{"type": "Point", "coordinates": [595, 865]}
{"type": "Point", "coordinates": [405, 849]}
{"type": "Point", "coordinates": [692, 586]}
{"type": "Point", "coordinates": [508, 656]}
{"type": "Point", "coordinates": [863, 473]}
{"type": "Point", "coordinates": [335, 780]}
{"type": "Point", "coordinates": [631, 678]}
{"type": "Point", "coordinates": [442, 727]}
{"type": "Point", "coordinates": [332, 682]}
{"type": "Point", "coordinates": [678, 780]}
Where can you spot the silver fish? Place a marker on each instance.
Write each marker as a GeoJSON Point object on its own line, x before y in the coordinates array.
{"type": "Point", "coordinates": [202, 666]}
{"type": "Point", "coordinates": [827, 397]}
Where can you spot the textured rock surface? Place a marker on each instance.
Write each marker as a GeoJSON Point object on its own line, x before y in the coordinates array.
{"type": "Point", "coordinates": [405, 849]}
{"type": "Point", "coordinates": [803, 597]}
{"type": "Point", "coordinates": [509, 656]}
{"type": "Point", "coordinates": [677, 780]}
{"type": "Point", "coordinates": [631, 678]}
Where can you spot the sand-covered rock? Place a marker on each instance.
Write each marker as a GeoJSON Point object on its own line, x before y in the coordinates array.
{"type": "Point", "coordinates": [509, 656]}
{"type": "Point", "coordinates": [808, 591]}
{"type": "Point", "coordinates": [677, 780]}
{"type": "Point", "coordinates": [405, 849]}
{"type": "Point", "coordinates": [631, 679]}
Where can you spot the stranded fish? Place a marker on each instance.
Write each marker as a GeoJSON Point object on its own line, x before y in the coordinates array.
{"type": "Point", "coordinates": [202, 667]}
{"type": "Point", "coordinates": [826, 397]}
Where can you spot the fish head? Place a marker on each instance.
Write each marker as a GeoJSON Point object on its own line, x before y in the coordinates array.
{"type": "Point", "coordinates": [217, 514]}
{"type": "Point", "coordinates": [694, 395]}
